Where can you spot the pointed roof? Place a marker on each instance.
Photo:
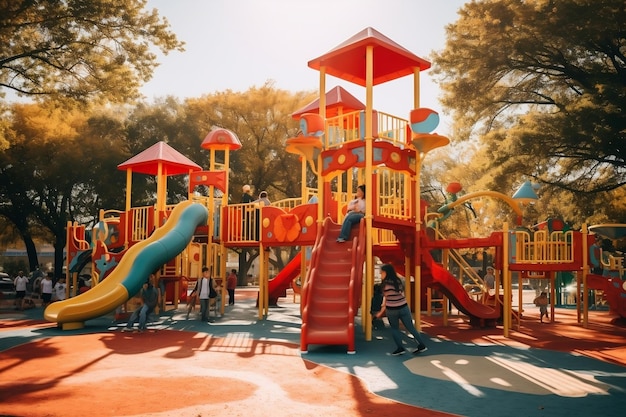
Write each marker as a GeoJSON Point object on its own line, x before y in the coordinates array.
{"type": "Point", "coordinates": [347, 60]}
{"type": "Point", "coordinates": [172, 161]}
{"type": "Point", "coordinates": [336, 99]}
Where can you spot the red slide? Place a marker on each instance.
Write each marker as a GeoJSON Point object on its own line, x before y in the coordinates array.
{"type": "Point", "coordinates": [452, 288]}
{"type": "Point", "coordinates": [614, 289]}
{"type": "Point", "coordinates": [277, 287]}
{"type": "Point", "coordinates": [331, 295]}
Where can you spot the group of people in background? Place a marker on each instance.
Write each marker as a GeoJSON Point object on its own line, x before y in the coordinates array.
{"type": "Point", "coordinates": [246, 197]}
{"type": "Point", "coordinates": [251, 223]}
{"type": "Point", "coordinates": [43, 287]}
{"type": "Point", "coordinates": [205, 293]}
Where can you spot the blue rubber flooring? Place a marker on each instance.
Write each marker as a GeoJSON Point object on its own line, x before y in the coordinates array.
{"type": "Point", "coordinates": [468, 379]}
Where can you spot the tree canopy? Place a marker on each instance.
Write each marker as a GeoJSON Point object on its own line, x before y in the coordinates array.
{"type": "Point", "coordinates": [58, 168]}
{"type": "Point", "coordinates": [261, 118]}
{"type": "Point", "coordinates": [537, 89]}
{"type": "Point", "coordinates": [83, 50]}
{"type": "Point", "coordinates": [543, 85]}
{"type": "Point", "coordinates": [61, 163]}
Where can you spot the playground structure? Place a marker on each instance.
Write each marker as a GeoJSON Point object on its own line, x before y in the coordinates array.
{"type": "Point", "coordinates": [126, 246]}
{"type": "Point", "coordinates": [343, 143]}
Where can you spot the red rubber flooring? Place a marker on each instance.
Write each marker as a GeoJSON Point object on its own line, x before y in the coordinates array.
{"type": "Point", "coordinates": [191, 373]}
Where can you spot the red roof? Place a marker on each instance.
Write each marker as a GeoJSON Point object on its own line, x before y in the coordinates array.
{"type": "Point", "coordinates": [336, 99]}
{"type": "Point", "coordinates": [347, 61]}
{"type": "Point", "coordinates": [172, 161]}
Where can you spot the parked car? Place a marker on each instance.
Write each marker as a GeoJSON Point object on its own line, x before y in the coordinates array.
{"type": "Point", "coordinates": [7, 289]}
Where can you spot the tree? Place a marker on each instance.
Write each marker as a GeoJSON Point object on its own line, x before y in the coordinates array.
{"type": "Point", "coordinates": [543, 85]}
{"type": "Point", "coordinates": [61, 164]}
{"type": "Point", "coordinates": [476, 217]}
{"type": "Point", "coordinates": [66, 52]}
{"type": "Point", "coordinates": [80, 50]}
{"type": "Point", "coordinates": [261, 119]}
{"type": "Point", "coordinates": [57, 169]}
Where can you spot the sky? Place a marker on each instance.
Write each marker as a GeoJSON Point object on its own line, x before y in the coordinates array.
{"type": "Point", "coordinates": [239, 44]}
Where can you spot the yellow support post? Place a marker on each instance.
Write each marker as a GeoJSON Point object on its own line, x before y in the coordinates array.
{"type": "Point", "coordinates": [445, 255]}
{"type": "Point", "coordinates": [418, 249]}
{"type": "Point", "coordinates": [129, 184]}
{"type": "Point", "coordinates": [506, 282]}
{"type": "Point", "coordinates": [369, 157]}
{"type": "Point", "coordinates": [585, 271]}
{"type": "Point", "coordinates": [418, 214]}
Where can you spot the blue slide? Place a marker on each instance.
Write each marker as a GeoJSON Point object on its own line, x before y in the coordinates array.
{"type": "Point", "coordinates": [136, 265]}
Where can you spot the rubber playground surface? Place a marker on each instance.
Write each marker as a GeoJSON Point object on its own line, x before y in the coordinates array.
{"type": "Point", "coordinates": [238, 365]}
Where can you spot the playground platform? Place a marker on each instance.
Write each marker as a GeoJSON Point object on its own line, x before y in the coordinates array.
{"type": "Point", "coordinates": [238, 365]}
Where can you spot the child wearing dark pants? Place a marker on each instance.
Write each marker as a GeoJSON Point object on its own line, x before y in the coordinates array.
{"type": "Point", "coordinates": [375, 306]}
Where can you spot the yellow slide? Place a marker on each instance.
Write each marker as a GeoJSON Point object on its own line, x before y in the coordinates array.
{"type": "Point", "coordinates": [134, 268]}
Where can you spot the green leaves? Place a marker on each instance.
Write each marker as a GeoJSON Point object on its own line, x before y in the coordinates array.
{"type": "Point", "coordinates": [83, 51]}
{"type": "Point", "coordinates": [541, 86]}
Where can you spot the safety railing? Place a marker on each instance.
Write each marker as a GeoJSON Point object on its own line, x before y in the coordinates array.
{"type": "Point", "coordinates": [392, 129]}
{"type": "Point", "coordinates": [394, 195]}
{"type": "Point", "coordinates": [612, 263]}
{"type": "Point", "coordinates": [78, 236]}
{"type": "Point", "coordinates": [287, 203]}
{"type": "Point", "coordinates": [466, 275]}
{"type": "Point", "coordinates": [350, 127]}
{"type": "Point", "coordinates": [142, 221]}
{"type": "Point", "coordinates": [542, 247]}
{"type": "Point", "coordinates": [242, 223]}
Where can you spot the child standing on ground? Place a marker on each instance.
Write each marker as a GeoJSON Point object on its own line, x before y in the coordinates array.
{"type": "Point", "coordinates": [60, 289]}
{"type": "Point", "coordinates": [375, 306]}
{"type": "Point", "coordinates": [542, 303]}
{"type": "Point", "coordinates": [46, 290]}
